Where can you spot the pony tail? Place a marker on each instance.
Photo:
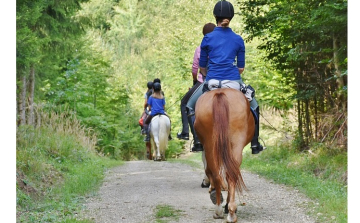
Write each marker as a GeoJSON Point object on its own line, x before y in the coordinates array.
{"type": "Point", "coordinates": [225, 23]}
{"type": "Point", "coordinates": [222, 145]}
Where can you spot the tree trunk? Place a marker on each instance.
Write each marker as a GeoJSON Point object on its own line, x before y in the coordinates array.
{"type": "Point", "coordinates": [31, 96]}
{"type": "Point", "coordinates": [339, 80]}
{"type": "Point", "coordinates": [307, 121]}
{"type": "Point", "coordinates": [22, 102]}
{"type": "Point", "coordinates": [316, 116]}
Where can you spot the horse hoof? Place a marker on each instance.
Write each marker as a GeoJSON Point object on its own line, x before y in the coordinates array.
{"type": "Point", "coordinates": [213, 197]}
{"type": "Point", "coordinates": [157, 158]}
{"type": "Point", "coordinates": [218, 216]}
{"type": "Point", "coordinates": [226, 209]}
{"type": "Point", "coordinates": [231, 219]}
{"type": "Point", "coordinates": [204, 185]}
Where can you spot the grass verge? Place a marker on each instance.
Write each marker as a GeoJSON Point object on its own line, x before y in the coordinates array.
{"type": "Point", "coordinates": [320, 174]}
{"type": "Point", "coordinates": [56, 168]}
{"type": "Point", "coordinates": [166, 213]}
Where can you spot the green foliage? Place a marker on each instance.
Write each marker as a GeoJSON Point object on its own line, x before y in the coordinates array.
{"type": "Point", "coordinates": [271, 86]}
{"type": "Point", "coordinates": [174, 149]}
{"type": "Point", "coordinates": [307, 42]}
{"type": "Point", "coordinates": [134, 39]}
{"type": "Point", "coordinates": [46, 35]}
{"type": "Point", "coordinates": [97, 56]}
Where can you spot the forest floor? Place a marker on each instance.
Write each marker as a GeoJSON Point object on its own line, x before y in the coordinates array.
{"type": "Point", "coordinates": [131, 192]}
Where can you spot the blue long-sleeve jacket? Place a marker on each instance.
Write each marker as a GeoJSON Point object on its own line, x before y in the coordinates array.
{"type": "Point", "coordinates": [223, 51]}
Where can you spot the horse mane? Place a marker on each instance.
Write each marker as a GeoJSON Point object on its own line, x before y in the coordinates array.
{"type": "Point", "coordinates": [224, 160]}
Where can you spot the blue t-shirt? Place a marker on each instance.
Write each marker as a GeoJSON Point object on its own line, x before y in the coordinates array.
{"type": "Point", "coordinates": [223, 51]}
{"type": "Point", "coordinates": [157, 105]}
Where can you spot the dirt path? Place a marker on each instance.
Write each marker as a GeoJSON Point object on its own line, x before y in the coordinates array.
{"type": "Point", "coordinates": [130, 194]}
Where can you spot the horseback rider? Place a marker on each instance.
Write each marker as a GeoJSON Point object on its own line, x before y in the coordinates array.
{"type": "Point", "coordinates": [223, 62]}
{"type": "Point", "coordinates": [197, 81]}
{"type": "Point", "coordinates": [144, 114]}
{"type": "Point", "coordinates": [148, 93]}
{"type": "Point", "coordinates": [156, 104]}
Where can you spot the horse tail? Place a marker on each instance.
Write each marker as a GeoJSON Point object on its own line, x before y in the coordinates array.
{"type": "Point", "coordinates": [163, 134]}
{"type": "Point", "coordinates": [225, 161]}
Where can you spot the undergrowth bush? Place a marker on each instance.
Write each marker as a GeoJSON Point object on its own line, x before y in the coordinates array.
{"type": "Point", "coordinates": [56, 166]}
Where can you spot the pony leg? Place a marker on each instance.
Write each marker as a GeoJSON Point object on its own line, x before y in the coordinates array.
{"type": "Point", "coordinates": [206, 182]}
{"type": "Point", "coordinates": [157, 149]}
{"type": "Point", "coordinates": [218, 212]}
{"type": "Point", "coordinates": [232, 207]}
{"type": "Point", "coordinates": [153, 145]}
{"type": "Point", "coordinates": [217, 199]}
{"type": "Point", "coordinates": [218, 208]}
{"type": "Point", "coordinates": [148, 150]}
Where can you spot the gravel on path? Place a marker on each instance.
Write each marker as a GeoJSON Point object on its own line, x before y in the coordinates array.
{"type": "Point", "coordinates": [131, 192]}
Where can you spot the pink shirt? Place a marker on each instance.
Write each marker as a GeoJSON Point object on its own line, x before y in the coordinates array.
{"type": "Point", "coordinates": [195, 66]}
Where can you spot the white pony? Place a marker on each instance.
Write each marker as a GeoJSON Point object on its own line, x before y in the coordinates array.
{"type": "Point", "coordinates": [159, 133]}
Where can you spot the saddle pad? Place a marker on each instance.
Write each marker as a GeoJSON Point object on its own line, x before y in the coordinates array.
{"type": "Point", "coordinates": [214, 84]}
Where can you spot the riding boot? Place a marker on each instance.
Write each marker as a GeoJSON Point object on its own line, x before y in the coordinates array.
{"type": "Point", "coordinates": [197, 147]}
{"type": "Point", "coordinates": [147, 137]}
{"type": "Point", "coordinates": [184, 135]}
{"type": "Point", "coordinates": [169, 137]}
{"type": "Point", "coordinates": [256, 147]}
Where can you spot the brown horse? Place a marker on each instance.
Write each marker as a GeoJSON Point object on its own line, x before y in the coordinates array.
{"type": "Point", "coordinates": [148, 151]}
{"type": "Point", "coordinates": [225, 125]}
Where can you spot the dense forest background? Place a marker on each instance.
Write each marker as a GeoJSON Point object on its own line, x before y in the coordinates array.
{"type": "Point", "coordinates": [82, 67]}
{"type": "Point", "coordinates": [94, 58]}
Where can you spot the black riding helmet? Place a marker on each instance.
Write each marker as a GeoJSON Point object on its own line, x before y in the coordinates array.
{"type": "Point", "coordinates": [149, 84]}
{"type": "Point", "coordinates": [156, 80]}
{"type": "Point", "coordinates": [157, 86]}
{"type": "Point", "coordinates": [223, 9]}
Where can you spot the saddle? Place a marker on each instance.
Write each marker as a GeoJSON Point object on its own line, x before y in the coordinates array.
{"type": "Point", "coordinates": [247, 90]}
{"type": "Point", "coordinates": [213, 84]}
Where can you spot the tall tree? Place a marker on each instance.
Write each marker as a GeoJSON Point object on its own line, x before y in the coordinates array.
{"type": "Point", "coordinates": [45, 39]}
{"type": "Point", "coordinates": [308, 40]}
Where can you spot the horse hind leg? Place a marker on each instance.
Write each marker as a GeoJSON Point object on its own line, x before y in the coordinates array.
{"type": "Point", "coordinates": [206, 182]}
{"type": "Point", "coordinates": [157, 156]}
{"type": "Point", "coordinates": [219, 214]}
{"type": "Point", "coordinates": [156, 153]}
{"type": "Point", "coordinates": [231, 205]}
{"type": "Point", "coordinates": [217, 199]}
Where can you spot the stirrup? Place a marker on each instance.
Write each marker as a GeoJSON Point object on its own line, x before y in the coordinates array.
{"type": "Point", "coordinates": [257, 148]}
{"type": "Point", "coordinates": [183, 136]}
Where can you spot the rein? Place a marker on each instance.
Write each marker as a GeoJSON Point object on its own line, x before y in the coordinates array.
{"type": "Point", "coordinates": [273, 128]}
